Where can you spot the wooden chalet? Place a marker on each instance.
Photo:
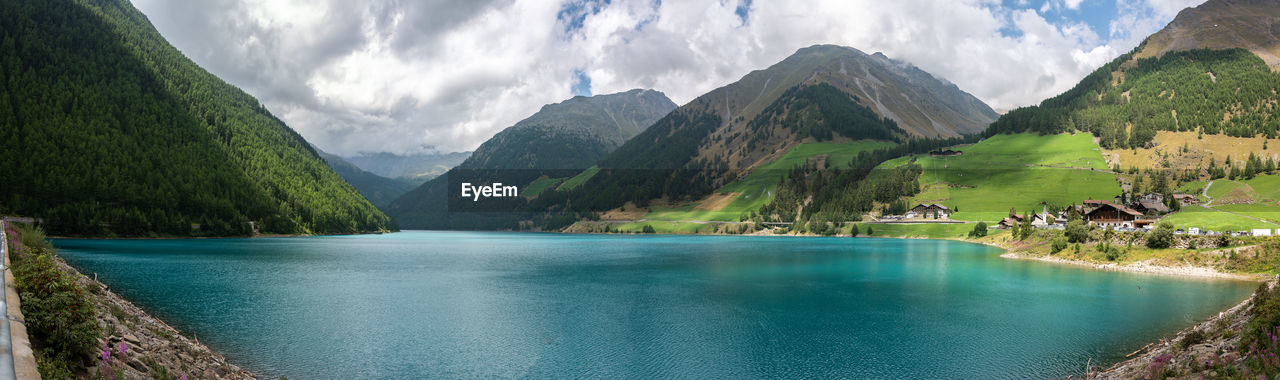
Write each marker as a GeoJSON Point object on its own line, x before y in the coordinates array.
{"type": "Point", "coordinates": [1150, 207]}
{"type": "Point", "coordinates": [1186, 199]}
{"type": "Point", "coordinates": [1107, 214]}
{"type": "Point", "coordinates": [933, 211]}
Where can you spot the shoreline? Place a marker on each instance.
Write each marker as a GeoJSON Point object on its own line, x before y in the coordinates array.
{"type": "Point", "coordinates": [1137, 359]}
{"type": "Point", "coordinates": [1143, 267]}
{"type": "Point", "coordinates": [156, 346]}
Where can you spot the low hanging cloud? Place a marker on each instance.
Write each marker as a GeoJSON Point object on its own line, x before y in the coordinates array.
{"type": "Point", "coordinates": [410, 76]}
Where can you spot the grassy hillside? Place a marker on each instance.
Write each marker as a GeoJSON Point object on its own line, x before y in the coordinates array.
{"type": "Point", "coordinates": [1237, 206]}
{"type": "Point", "coordinates": [758, 187]}
{"type": "Point", "coordinates": [1190, 150]}
{"type": "Point", "coordinates": [1014, 171]}
{"type": "Point", "coordinates": [107, 129]}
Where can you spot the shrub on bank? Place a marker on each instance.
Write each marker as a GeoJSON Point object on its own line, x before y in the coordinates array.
{"type": "Point", "coordinates": [59, 315]}
{"type": "Point", "coordinates": [1161, 237]}
{"type": "Point", "coordinates": [1259, 338]}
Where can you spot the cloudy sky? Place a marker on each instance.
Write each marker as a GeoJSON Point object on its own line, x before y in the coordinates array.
{"type": "Point", "coordinates": [408, 76]}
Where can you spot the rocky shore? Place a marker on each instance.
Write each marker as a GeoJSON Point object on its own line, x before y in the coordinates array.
{"type": "Point", "coordinates": [139, 346]}
{"type": "Point", "coordinates": [1210, 349]}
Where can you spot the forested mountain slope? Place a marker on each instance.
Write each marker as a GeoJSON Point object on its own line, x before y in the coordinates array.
{"type": "Point", "coordinates": [105, 128]}
{"type": "Point", "coordinates": [556, 142]}
{"type": "Point", "coordinates": [1219, 86]}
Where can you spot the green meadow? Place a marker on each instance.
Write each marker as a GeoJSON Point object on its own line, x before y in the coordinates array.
{"type": "Point", "coordinates": [1215, 220]}
{"type": "Point", "coordinates": [1018, 171]}
{"type": "Point", "coordinates": [1231, 191]}
{"type": "Point", "coordinates": [577, 180]}
{"type": "Point", "coordinates": [539, 185]}
{"type": "Point", "coordinates": [1267, 187]}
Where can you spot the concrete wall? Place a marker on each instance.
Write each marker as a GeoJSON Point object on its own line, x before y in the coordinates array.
{"type": "Point", "coordinates": [24, 360]}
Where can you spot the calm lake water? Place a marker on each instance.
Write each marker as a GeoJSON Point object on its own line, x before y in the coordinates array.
{"type": "Point", "coordinates": [469, 305]}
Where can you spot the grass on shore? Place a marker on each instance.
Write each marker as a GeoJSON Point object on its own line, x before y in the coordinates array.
{"type": "Point", "coordinates": [1242, 255]}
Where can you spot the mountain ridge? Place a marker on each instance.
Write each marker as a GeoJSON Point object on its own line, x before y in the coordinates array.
{"type": "Point", "coordinates": [554, 143]}
{"type": "Point", "coordinates": [820, 93]}
{"type": "Point", "coordinates": [1253, 25]}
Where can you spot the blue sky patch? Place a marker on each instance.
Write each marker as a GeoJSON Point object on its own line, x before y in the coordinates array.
{"type": "Point", "coordinates": [581, 84]}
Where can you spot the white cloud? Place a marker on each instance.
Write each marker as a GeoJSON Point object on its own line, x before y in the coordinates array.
{"type": "Point", "coordinates": [386, 75]}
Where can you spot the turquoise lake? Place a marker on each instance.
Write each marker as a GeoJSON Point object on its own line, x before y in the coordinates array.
{"type": "Point", "coordinates": [486, 304]}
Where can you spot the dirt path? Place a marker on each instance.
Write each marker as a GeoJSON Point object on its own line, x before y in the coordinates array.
{"type": "Point", "coordinates": [1209, 204]}
{"type": "Point", "coordinates": [1205, 192]}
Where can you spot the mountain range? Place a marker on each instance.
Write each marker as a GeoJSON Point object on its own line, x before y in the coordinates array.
{"type": "Point", "coordinates": [413, 168]}
{"type": "Point", "coordinates": [377, 189]}
{"type": "Point", "coordinates": [558, 141]}
{"type": "Point", "coordinates": [820, 93]}
{"type": "Point", "coordinates": [145, 142]}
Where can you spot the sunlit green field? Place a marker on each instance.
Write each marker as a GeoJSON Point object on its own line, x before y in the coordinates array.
{"type": "Point", "coordinates": [1231, 191]}
{"type": "Point", "coordinates": [1270, 212]}
{"type": "Point", "coordinates": [578, 180]}
{"type": "Point", "coordinates": [1015, 171]}
{"type": "Point", "coordinates": [1208, 219]}
{"type": "Point", "coordinates": [1267, 187]}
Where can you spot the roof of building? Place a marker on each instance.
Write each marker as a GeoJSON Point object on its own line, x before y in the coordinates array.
{"type": "Point", "coordinates": [1153, 205]}
{"type": "Point", "coordinates": [1101, 204]}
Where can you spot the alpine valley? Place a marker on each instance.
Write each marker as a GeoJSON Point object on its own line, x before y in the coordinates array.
{"type": "Point", "coordinates": [128, 154]}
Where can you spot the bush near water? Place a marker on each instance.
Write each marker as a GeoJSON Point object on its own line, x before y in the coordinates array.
{"type": "Point", "coordinates": [60, 317]}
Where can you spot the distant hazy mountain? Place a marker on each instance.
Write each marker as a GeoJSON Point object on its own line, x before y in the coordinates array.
{"type": "Point", "coordinates": [107, 129]}
{"type": "Point", "coordinates": [377, 189]}
{"type": "Point", "coordinates": [412, 168]}
{"type": "Point", "coordinates": [820, 93]}
{"type": "Point", "coordinates": [572, 134]}
{"type": "Point", "coordinates": [557, 141]}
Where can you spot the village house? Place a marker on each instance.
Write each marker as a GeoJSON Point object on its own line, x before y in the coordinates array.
{"type": "Point", "coordinates": [1037, 220]}
{"type": "Point", "coordinates": [1107, 214]}
{"type": "Point", "coordinates": [1148, 206]}
{"type": "Point", "coordinates": [1186, 199]}
{"type": "Point", "coordinates": [930, 211]}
